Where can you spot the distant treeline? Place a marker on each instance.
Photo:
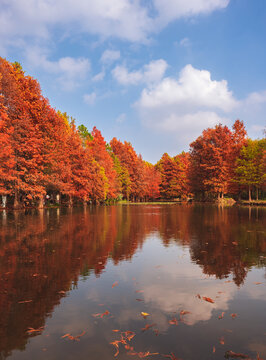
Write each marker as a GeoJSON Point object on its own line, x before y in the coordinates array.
{"type": "Point", "coordinates": [45, 157]}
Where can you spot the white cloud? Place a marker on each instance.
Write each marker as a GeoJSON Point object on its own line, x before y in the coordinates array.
{"type": "Point", "coordinates": [98, 77]}
{"type": "Point", "coordinates": [90, 98]}
{"type": "Point", "coordinates": [256, 98]}
{"type": "Point", "coordinates": [109, 56]}
{"type": "Point", "coordinates": [149, 74]}
{"type": "Point", "coordinates": [194, 88]}
{"type": "Point", "coordinates": [130, 20]}
{"type": "Point", "coordinates": [169, 10]}
{"type": "Point", "coordinates": [185, 42]}
{"type": "Point", "coordinates": [121, 118]}
{"type": "Point", "coordinates": [68, 70]}
{"type": "Point", "coordinates": [183, 107]}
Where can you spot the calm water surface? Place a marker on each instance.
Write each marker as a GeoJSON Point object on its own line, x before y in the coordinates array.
{"type": "Point", "coordinates": [84, 273]}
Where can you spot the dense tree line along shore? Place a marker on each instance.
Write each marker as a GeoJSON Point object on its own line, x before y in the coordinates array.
{"type": "Point", "coordinates": [45, 157]}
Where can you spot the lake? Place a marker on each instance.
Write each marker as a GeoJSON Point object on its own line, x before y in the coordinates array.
{"type": "Point", "coordinates": [136, 281]}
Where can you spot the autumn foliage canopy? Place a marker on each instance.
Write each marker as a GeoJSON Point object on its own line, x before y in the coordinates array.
{"type": "Point", "coordinates": [43, 153]}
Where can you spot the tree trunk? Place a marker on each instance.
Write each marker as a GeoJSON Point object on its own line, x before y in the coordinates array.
{"type": "Point", "coordinates": [16, 200]}
{"type": "Point", "coordinates": [70, 202]}
{"type": "Point", "coordinates": [41, 203]}
{"type": "Point", "coordinates": [249, 194]}
{"type": "Point", "coordinates": [4, 198]}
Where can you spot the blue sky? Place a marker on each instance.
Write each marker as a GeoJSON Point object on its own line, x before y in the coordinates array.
{"type": "Point", "coordinates": [152, 72]}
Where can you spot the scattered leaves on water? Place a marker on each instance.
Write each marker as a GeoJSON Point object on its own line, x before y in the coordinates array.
{"type": "Point", "coordinates": [210, 300]}
{"type": "Point", "coordinates": [99, 315]}
{"type": "Point", "coordinates": [222, 340]}
{"type": "Point", "coordinates": [231, 354]}
{"type": "Point", "coordinates": [173, 321]}
{"type": "Point", "coordinates": [144, 314]}
{"type": "Point", "coordinates": [184, 312]}
{"type": "Point", "coordinates": [31, 330]}
{"type": "Point", "coordinates": [148, 326]}
{"type": "Point", "coordinates": [172, 356]}
{"type": "Point", "coordinates": [233, 316]}
{"type": "Point", "coordinates": [221, 316]}
{"type": "Point", "coordinates": [73, 338]}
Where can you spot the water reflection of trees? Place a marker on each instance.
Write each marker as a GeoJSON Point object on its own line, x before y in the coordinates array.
{"type": "Point", "coordinates": [42, 254]}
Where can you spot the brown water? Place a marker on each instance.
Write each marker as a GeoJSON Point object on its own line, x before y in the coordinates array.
{"type": "Point", "coordinates": [95, 270]}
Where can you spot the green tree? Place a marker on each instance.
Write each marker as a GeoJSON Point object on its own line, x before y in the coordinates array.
{"type": "Point", "coordinates": [250, 171]}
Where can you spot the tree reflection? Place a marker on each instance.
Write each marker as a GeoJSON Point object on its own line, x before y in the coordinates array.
{"type": "Point", "coordinates": [43, 253]}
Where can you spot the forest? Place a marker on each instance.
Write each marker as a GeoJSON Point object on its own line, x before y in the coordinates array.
{"type": "Point", "coordinates": [46, 159]}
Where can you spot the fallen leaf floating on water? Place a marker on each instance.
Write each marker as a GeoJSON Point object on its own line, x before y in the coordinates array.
{"type": "Point", "coordinates": [115, 330]}
{"type": "Point", "coordinates": [139, 299]}
{"type": "Point", "coordinates": [147, 327]}
{"type": "Point", "coordinates": [231, 354]}
{"type": "Point", "coordinates": [221, 316]}
{"type": "Point", "coordinates": [115, 343]}
{"type": "Point", "coordinates": [184, 312]}
{"type": "Point", "coordinates": [75, 338]}
{"type": "Point", "coordinates": [173, 321]}
{"type": "Point", "coordinates": [172, 356]}
{"type": "Point", "coordinates": [115, 284]}
{"type": "Point", "coordinates": [234, 243]}
{"type": "Point", "coordinates": [228, 281]}
{"type": "Point", "coordinates": [156, 332]}
{"type": "Point", "coordinates": [101, 315]}
{"type": "Point", "coordinates": [257, 283]}
{"type": "Point", "coordinates": [31, 330]}
{"type": "Point", "coordinates": [233, 316]}
{"type": "Point", "coordinates": [210, 300]}
{"type": "Point", "coordinates": [139, 291]}
{"type": "Point", "coordinates": [198, 296]}
{"type": "Point", "coordinates": [221, 340]}
{"type": "Point", "coordinates": [144, 314]}
{"type": "Point", "coordinates": [128, 335]}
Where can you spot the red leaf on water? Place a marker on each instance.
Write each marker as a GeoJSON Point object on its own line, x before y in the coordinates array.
{"type": "Point", "coordinates": [173, 321]}
{"type": "Point", "coordinates": [139, 299]}
{"type": "Point", "coordinates": [101, 315]}
{"type": "Point", "coordinates": [235, 355]}
{"type": "Point", "coordinates": [31, 330]}
{"type": "Point", "coordinates": [115, 284]}
{"type": "Point", "coordinates": [221, 340]}
{"type": "Point", "coordinates": [210, 300]}
{"type": "Point", "coordinates": [257, 283]}
{"type": "Point", "coordinates": [147, 327]}
{"type": "Point", "coordinates": [233, 316]}
{"type": "Point", "coordinates": [184, 312]}
{"type": "Point", "coordinates": [71, 337]}
{"type": "Point", "coordinates": [172, 356]}
{"type": "Point", "coordinates": [115, 343]}
{"type": "Point", "coordinates": [221, 316]}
